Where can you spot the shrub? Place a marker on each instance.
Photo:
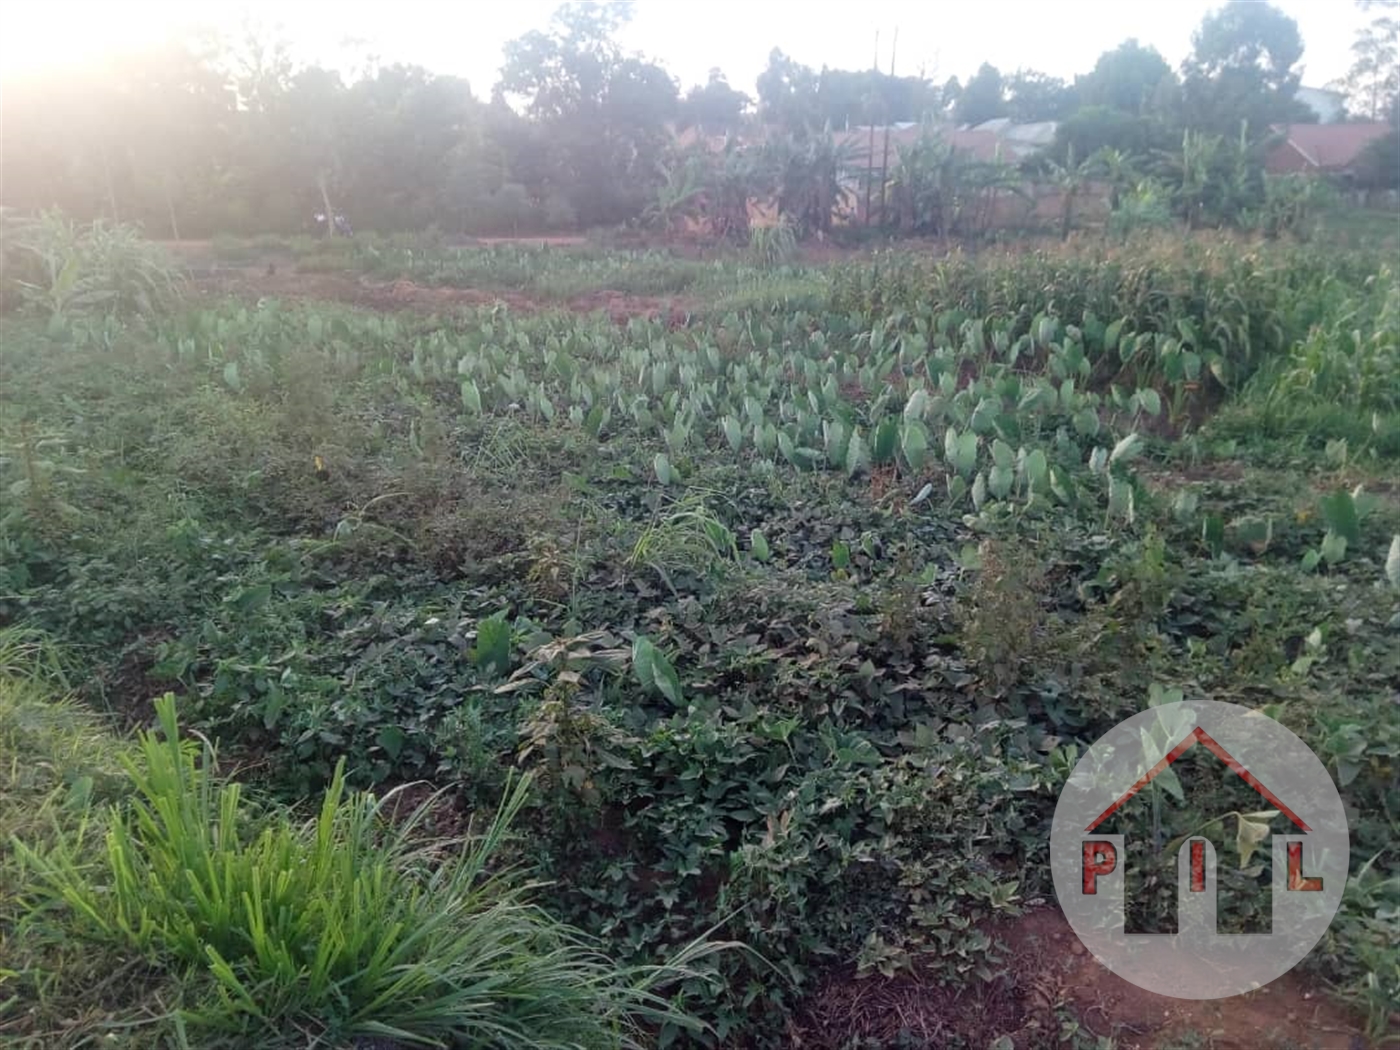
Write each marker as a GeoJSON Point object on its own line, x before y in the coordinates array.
{"type": "Point", "coordinates": [1144, 207]}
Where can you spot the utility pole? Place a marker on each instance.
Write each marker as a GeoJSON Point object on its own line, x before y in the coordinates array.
{"type": "Point", "coordinates": [885, 163]}
{"type": "Point", "coordinates": [870, 152]}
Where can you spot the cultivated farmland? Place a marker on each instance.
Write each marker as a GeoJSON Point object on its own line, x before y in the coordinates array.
{"type": "Point", "coordinates": [757, 609]}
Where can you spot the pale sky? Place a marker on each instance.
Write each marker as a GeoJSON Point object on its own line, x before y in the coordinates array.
{"type": "Point", "coordinates": [940, 37]}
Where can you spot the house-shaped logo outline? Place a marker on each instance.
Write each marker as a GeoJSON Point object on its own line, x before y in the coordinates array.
{"type": "Point", "coordinates": [1294, 880]}
{"type": "Point", "coordinates": [1199, 735]}
{"type": "Point", "coordinates": [1199, 961]}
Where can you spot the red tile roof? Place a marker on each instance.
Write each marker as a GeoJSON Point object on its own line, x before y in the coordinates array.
{"type": "Point", "coordinates": [1322, 147]}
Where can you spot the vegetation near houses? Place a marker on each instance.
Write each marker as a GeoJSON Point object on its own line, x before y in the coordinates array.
{"type": "Point", "coordinates": [678, 636]}
{"type": "Point", "coordinates": [204, 135]}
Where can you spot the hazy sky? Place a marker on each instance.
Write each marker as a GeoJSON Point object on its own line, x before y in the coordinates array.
{"type": "Point", "coordinates": [940, 37]}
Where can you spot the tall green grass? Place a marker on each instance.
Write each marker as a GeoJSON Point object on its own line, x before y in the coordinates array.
{"type": "Point", "coordinates": [61, 269]}
{"type": "Point", "coordinates": [352, 924]}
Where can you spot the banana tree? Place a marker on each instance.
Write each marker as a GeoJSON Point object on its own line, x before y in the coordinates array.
{"type": "Point", "coordinates": [1070, 178]}
{"type": "Point", "coordinates": [678, 196]}
{"type": "Point", "coordinates": [1190, 171]}
{"type": "Point", "coordinates": [924, 183]}
{"type": "Point", "coordinates": [808, 175]}
{"type": "Point", "coordinates": [734, 176]}
{"type": "Point", "coordinates": [1119, 169]}
{"type": "Point", "coordinates": [983, 184]}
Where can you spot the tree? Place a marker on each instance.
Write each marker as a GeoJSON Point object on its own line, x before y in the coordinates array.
{"type": "Point", "coordinates": [176, 107]}
{"type": "Point", "coordinates": [1118, 169]}
{"type": "Point", "coordinates": [408, 130]}
{"type": "Point", "coordinates": [1214, 180]}
{"type": "Point", "coordinates": [949, 94]}
{"type": "Point", "coordinates": [1379, 166]}
{"type": "Point", "coordinates": [1070, 178]}
{"type": "Point", "coordinates": [716, 107]}
{"type": "Point", "coordinates": [1374, 77]}
{"type": "Point", "coordinates": [982, 97]}
{"type": "Point", "coordinates": [1128, 79]}
{"type": "Point", "coordinates": [787, 94]}
{"type": "Point", "coordinates": [473, 171]}
{"type": "Point", "coordinates": [807, 171]}
{"type": "Point", "coordinates": [317, 123]}
{"type": "Point", "coordinates": [729, 180]}
{"type": "Point", "coordinates": [1033, 97]}
{"type": "Point", "coordinates": [868, 96]}
{"type": "Point", "coordinates": [605, 111]}
{"type": "Point", "coordinates": [1094, 128]}
{"type": "Point", "coordinates": [926, 185]}
{"type": "Point", "coordinates": [678, 196]}
{"type": "Point", "coordinates": [1242, 69]}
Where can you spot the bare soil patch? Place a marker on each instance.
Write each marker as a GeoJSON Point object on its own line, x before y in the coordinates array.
{"type": "Point", "coordinates": [1170, 479]}
{"type": "Point", "coordinates": [1050, 977]}
{"type": "Point", "coordinates": [279, 282]}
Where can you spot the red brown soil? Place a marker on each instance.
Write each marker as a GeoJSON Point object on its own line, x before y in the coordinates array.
{"type": "Point", "coordinates": [406, 295]}
{"type": "Point", "coordinates": [1048, 978]}
{"type": "Point", "coordinates": [1170, 479]}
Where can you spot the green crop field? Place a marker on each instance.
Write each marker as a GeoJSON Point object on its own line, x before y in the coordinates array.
{"type": "Point", "coordinates": [563, 668]}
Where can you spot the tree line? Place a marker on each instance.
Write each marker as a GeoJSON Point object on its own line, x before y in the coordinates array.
{"type": "Point", "coordinates": [203, 135]}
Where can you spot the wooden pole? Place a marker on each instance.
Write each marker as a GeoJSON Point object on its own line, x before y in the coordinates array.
{"type": "Point", "coordinates": [885, 163]}
{"type": "Point", "coordinates": [870, 152]}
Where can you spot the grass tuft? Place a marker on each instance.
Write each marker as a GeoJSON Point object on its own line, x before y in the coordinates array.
{"type": "Point", "coordinates": [348, 925]}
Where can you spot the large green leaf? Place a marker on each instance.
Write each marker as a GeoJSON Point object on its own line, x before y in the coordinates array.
{"type": "Point", "coordinates": [655, 672]}
{"type": "Point", "coordinates": [961, 450]}
{"type": "Point", "coordinates": [733, 432]}
{"type": "Point", "coordinates": [1002, 455]}
{"type": "Point", "coordinates": [492, 651]}
{"type": "Point", "coordinates": [758, 544]}
{"type": "Point", "coordinates": [1339, 511]}
{"type": "Point", "coordinates": [916, 405]}
{"type": "Point", "coordinates": [999, 481]}
{"type": "Point", "coordinates": [471, 397]}
{"type": "Point", "coordinates": [392, 739]}
{"type": "Point", "coordinates": [857, 455]}
{"type": "Point", "coordinates": [1126, 449]}
{"type": "Point", "coordinates": [835, 436]}
{"type": "Point", "coordinates": [886, 440]}
{"type": "Point", "coordinates": [1037, 468]}
{"type": "Point", "coordinates": [913, 442]}
{"type": "Point", "coordinates": [1334, 547]}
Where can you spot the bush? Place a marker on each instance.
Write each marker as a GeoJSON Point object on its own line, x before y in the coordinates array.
{"type": "Point", "coordinates": [507, 210]}
{"type": "Point", "coordinates": [1144, 207]}
{"type": "Point", "coordinates": [350, 925]}
{"type": "Point", "coordinates": [559, 213]}
{"type": "Point", "coordinates": [1291, 205]}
